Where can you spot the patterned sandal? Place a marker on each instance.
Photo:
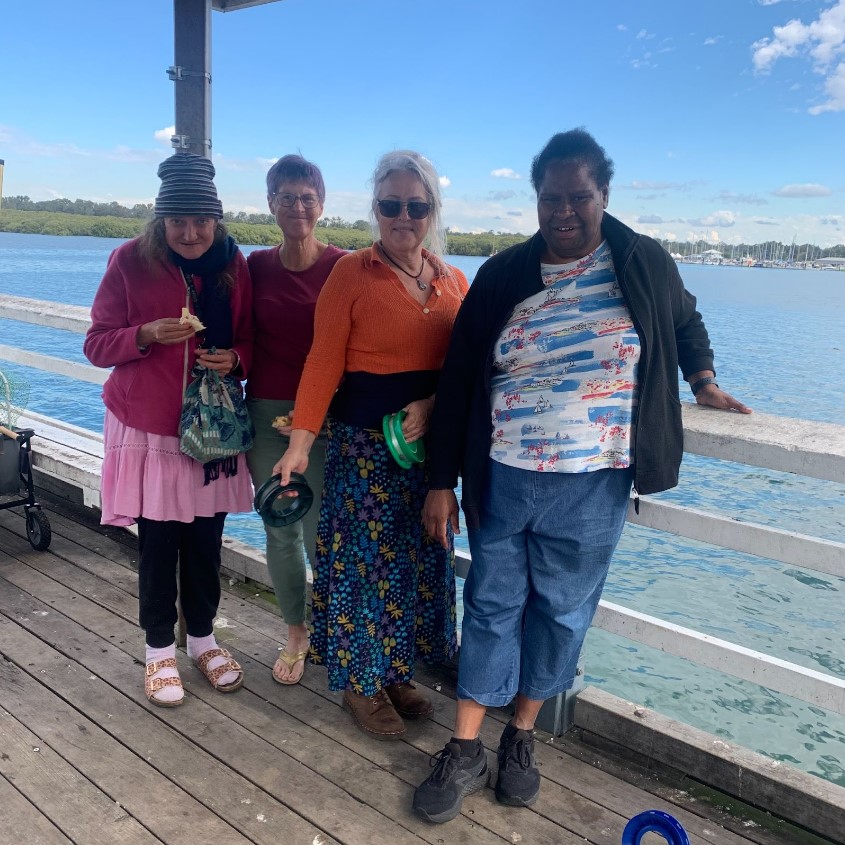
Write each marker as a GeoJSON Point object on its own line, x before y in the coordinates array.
{"type": "Point", "coordinates": [218, 672]}
{"type": "Point", "coordinates": [153, 685]}
{"type": "Point", "coordinates": [290, 660]}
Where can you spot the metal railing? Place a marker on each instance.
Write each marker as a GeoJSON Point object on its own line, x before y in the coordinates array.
{"type": "Point", "coordinates": [800, 447]}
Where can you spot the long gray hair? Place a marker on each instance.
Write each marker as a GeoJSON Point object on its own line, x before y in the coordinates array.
{"type": "Point", "coordinates": [423, 169]}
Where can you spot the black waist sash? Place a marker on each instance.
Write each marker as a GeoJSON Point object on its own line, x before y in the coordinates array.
{"type": "Point", "coordinates": [363, 398]}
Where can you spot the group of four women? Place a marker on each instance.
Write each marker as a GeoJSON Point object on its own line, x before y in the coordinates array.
{"type": "Point", "coordinates": [556, 391]}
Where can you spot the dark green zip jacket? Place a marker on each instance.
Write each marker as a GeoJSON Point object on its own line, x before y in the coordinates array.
{"type": "Point", "coordinates": [671, 333]}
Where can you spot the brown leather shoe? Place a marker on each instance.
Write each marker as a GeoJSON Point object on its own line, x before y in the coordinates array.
{"type": "Point", "coordinates": [374, 714]}
{"type": "Point", "coordinates": [409, 702]}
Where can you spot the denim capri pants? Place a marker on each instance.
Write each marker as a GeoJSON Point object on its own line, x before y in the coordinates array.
{"type": "Point", "coordinates": [539, 561]}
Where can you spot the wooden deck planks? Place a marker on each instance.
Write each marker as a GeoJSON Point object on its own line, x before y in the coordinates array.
{"type": "Point", "coordinates": [372, 786]}
{"type": "Point", "coordinates": [318, 778]}
{"type": "Point", "coordinates": [63, 794]}
{"type": "Point", "coordinates": [21, 821]}
{"type": "Point", "coordinates": [367, 783]}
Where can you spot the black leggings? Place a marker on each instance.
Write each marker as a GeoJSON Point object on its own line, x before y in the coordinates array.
{"type": "Point", "coordinates": [196, 547]}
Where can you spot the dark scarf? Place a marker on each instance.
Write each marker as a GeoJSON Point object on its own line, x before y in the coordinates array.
{"type": "Point", "coordinates": [214, 308]}
{"type": "Point", "coordinates": [212, 305]}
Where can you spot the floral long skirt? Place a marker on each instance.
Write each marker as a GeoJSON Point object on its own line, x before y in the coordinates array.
{"type": "Point", "coordinates": [384, 591]}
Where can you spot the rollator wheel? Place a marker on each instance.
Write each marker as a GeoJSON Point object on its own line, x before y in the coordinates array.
{"type": "Point", "coordinates": [38, 530]}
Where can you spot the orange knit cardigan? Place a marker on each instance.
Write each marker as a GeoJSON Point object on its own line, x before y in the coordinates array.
{"type": "Point", "coordinates": [366, 321]}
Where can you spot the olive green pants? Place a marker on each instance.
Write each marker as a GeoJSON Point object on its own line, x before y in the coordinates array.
{"type": "Point", "coordinates": [288, 546]}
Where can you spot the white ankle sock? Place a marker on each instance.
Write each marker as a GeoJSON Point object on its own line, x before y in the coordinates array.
{"type": "Point", "coordinates": [197, 646]}
{"type": "Point", "coordinates": [170, 693]}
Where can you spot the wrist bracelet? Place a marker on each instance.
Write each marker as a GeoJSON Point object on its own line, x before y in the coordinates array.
{"type": "Point", "coordinates": [702, 382]}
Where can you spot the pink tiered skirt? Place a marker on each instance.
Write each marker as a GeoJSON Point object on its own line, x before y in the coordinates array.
{"type": "Point", "coordinates": [146, 475]}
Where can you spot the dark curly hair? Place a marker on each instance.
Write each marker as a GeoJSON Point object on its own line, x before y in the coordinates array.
{"type": "Point", "coordinates": [574, 145]}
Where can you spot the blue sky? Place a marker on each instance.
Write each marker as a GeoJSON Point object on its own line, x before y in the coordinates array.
{"type": "Point", "coordinates": [725, 118]}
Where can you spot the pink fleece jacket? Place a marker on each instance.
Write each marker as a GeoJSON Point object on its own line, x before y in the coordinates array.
{"type": "Point", "coordinates": [144, 390]}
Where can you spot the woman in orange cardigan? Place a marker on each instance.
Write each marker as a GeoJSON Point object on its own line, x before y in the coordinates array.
{"type": "Point", "coordinates": [384, 592]}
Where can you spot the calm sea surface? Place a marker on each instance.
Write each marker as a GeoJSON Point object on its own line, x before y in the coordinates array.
{"type": "Point", "coordinates": [778, 336]}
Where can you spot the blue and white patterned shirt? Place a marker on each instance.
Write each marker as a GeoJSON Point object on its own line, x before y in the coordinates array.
{"type": "Point", "coordinates": [565, 389]}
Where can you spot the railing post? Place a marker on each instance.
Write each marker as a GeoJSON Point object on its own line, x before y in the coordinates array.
{"type": "Point", "coordinates": [557, 715]}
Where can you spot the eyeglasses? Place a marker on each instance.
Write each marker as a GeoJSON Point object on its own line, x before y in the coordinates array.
{"type": "Point", "coordinates": [289, 200]}
{"type": "Point", "coordinates": [417, 210]}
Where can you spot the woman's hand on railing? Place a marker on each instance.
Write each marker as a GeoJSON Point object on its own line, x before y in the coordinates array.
{"type": "Point", "coordinates": [713, 396]}
{"type": "Point", "coordinates": [167, 331]}
{"type": "Point", "coordinates": [415, 425]}
{"type": "Point", "coordinates": [440, 509]}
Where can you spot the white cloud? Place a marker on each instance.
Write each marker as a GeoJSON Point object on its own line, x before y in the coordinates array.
{"type": "Point", "coordinates": [505, 173]}
{"type": "Point", "coordinates": [800, 191]}
{"type": "Point", "coordinates": [621, 27]}
{"type": "Point", "coordinates": [645, 61]}
{"type": "Point", "coordinates": [165, 134]}
{"type": "Point", "coordinates": [709, 42]}
{"type": "Point", "coordinates": [645, 185]}
{"type": "Point", "coordinates": [746, 199]}
{"type": "Point", "coordinates": [445, 181]}
{"type": "Point", "coordinates": [822, 41]}
{"type": "Point", "coordinates": [725, 219]}
{"type": "Point", "coordinates": [240, 165]}
{"type": "Point", "coordinates": [769, 2]}
{"type": "Point", "coordinates": [835, 87]}
{"type": "Point", "coordinates": [649, 218]}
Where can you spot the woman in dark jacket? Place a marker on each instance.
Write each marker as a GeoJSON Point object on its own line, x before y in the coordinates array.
{"type": "Point", "coordinates": [558, 393]}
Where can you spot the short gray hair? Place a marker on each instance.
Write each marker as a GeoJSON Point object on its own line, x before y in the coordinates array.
{"type": "Point", "coordinates": [294, 168]}
{"type": "Point", "coordinates": [423, 169]}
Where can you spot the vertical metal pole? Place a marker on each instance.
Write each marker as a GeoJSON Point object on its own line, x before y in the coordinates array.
{"type": "Point", "coordinates": [191, 75]}
{"type": "Point", "coordinates": [2, 166]}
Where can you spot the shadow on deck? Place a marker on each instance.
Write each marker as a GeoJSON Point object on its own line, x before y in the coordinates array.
{"type": "Point", "coordinates": [85, 759]}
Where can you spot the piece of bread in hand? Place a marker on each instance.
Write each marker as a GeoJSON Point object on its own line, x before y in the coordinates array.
{"type": "Point", "coordinates": [189, 319]}
{"type": "Point", "coordinates": [282, 422]}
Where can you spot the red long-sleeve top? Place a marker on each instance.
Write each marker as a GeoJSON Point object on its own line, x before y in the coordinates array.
{"type": "Point", "coordinates": [144, 390]}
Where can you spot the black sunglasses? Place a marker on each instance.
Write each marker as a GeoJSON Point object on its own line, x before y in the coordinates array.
{"type": "Point", "coordinates": [417, 210]}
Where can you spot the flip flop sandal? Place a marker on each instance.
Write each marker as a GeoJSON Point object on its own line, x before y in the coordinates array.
{"type": "Point", "coordinates": [214, 675]}
{"type": "Point", "coordinates": [153, 685]}
{"type": "Point", "coordinates": [290, 660]}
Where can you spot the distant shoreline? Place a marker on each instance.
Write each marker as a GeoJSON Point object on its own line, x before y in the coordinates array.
{"type": "Point", "coordinates": [358, 235]}
{"type": "Point", "coordinates": [251, 234]}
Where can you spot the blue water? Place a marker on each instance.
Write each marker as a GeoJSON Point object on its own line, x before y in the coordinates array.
{"type": "Point", "coordinates": [779, 346]}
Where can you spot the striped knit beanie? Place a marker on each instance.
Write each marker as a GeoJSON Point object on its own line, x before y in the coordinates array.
{"type": "Point", "coordinates": [187, 187]}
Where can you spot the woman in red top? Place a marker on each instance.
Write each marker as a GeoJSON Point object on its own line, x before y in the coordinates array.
{"type": "Point", "coordinates": [184, 260]}
{"type": "Point", "coordinates": [384, 592]}
{"type": "Point", "coordinates": [286, 280]}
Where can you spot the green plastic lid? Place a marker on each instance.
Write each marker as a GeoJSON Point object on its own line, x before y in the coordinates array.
{"type": "Point", "coordinates": [405, 454]}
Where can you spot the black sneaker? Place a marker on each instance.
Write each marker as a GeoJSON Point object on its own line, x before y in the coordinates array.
{"type": "Point", "coordinates": [439, 797]}
{"type": "Point", "coordinates": [518, 784]}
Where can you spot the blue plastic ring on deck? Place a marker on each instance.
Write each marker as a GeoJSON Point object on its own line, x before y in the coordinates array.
{"type": "Point", "coordinates": [654, 821]}
{"type": "Point", "coordinates": [270, 495]}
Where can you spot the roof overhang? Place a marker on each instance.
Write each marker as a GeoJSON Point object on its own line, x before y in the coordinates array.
{"type": "Point", "coordinates": [234, 5]}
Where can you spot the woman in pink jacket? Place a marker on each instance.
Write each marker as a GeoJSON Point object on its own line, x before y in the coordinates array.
{"type": "Point", "coordinates": [184, 260]}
